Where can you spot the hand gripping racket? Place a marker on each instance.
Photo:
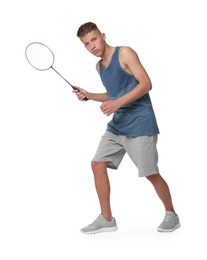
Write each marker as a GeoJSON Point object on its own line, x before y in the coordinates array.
{"type": "Point", "coordinates": [41, 57]}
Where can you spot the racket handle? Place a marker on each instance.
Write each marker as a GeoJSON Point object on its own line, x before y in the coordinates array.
{"type": "Point", "coordinates": [85, 99]}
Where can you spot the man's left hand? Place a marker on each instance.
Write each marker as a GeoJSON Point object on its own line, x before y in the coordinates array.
{"type": "Point", "coordinates": [110, 106]}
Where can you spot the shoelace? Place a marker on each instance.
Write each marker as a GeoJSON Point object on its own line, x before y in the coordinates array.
{"type": "Point", "coordinates": [96, 220]}
{"type": "Point", "coordinates": [166, 219]}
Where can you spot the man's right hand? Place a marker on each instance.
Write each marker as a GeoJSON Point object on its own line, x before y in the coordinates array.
{"type": "Point", "coordinates": [81, 94]}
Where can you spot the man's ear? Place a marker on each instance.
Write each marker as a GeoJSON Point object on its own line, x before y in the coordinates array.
{"type": "Point", "coordinates": [103, 36]}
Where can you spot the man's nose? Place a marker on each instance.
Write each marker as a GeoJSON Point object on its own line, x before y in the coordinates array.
{"type": "Point", "coordinates": [93, 46]}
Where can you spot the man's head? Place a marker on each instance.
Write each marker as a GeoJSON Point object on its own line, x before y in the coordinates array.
{"type": "Point", "coordinates": [86, 28]}
{"type": "Point", "coordinates": [92, 38]}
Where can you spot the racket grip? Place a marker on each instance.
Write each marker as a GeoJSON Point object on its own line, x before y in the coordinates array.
{"type": "Point", "coordinates": [85, 99]}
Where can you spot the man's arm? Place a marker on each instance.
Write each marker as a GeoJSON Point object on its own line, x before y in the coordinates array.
{"type": "Point", "coordinates": [82, 93]}
{"type": "Point", "coordinates": [100, 97]}
{"type": "Point", "coordinates": [130, 62]}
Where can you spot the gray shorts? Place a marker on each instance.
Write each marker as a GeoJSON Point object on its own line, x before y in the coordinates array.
{"type": "Point", "coordinates": [141, 149]}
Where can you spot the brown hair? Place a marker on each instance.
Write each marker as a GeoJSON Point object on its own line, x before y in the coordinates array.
{"type": "Point", "coordinates": [86, 28]}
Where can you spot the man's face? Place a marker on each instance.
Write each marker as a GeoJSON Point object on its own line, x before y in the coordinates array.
{"type": "Point", "coordinates": [94, 42]}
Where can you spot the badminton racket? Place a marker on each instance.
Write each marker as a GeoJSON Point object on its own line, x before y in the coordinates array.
{"type": "Point", "coordinates": [41, 57]}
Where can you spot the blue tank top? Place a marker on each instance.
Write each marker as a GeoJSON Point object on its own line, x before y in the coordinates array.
{"type": "Point", "coordinates": [136, 118]}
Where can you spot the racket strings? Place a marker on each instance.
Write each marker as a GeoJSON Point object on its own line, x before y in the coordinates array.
{"type": "Point", "coordinates": [39, 56]}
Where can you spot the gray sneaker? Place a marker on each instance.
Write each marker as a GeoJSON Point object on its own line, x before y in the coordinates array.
{"type": "Point", "coordinates": [100, 225]}
{"type": "Point", "coordinates": [170, 222]}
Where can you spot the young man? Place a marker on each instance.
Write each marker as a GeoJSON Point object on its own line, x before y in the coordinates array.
{"type": "Point", "coordinates": [133, 128]}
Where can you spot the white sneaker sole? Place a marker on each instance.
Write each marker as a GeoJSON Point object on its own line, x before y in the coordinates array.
{"type": "Point", "coordinates": [100, 230]}
{"type": "Point", "coordinates": [168, 230]}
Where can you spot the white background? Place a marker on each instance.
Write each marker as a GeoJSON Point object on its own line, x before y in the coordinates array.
{"type": "Point", "coordinates": [48, 137]}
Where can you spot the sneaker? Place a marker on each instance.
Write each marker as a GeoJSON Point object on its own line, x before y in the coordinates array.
{"type": "Point", "coordinates": [100, 225]}
{"type": "Point", "coordinates": [170, 222]}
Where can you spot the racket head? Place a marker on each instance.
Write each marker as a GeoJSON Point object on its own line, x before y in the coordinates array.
{"type": "Point", "coordinates": [39, 56]}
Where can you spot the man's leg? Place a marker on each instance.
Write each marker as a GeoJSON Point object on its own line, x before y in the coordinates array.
{"type": "Point", "coordinates": [162, 190]}
{"type": "Point", "coordinates": [105, 222]}
{"type": "Point", "coordinates": [171, 220]}
{"type": "Point", "coordinates": [102, 187]}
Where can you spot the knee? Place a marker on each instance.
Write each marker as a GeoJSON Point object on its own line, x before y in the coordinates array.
{"type": "Point", "coordinates": [154, 177]}
{"type": "Point", "coordinates": [99, 166]}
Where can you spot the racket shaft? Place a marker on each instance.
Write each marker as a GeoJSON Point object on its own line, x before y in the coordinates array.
{"type": "Point", "coordinates": [63, 78]}
{"type": "Point", "coordinates": [67, 81]}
